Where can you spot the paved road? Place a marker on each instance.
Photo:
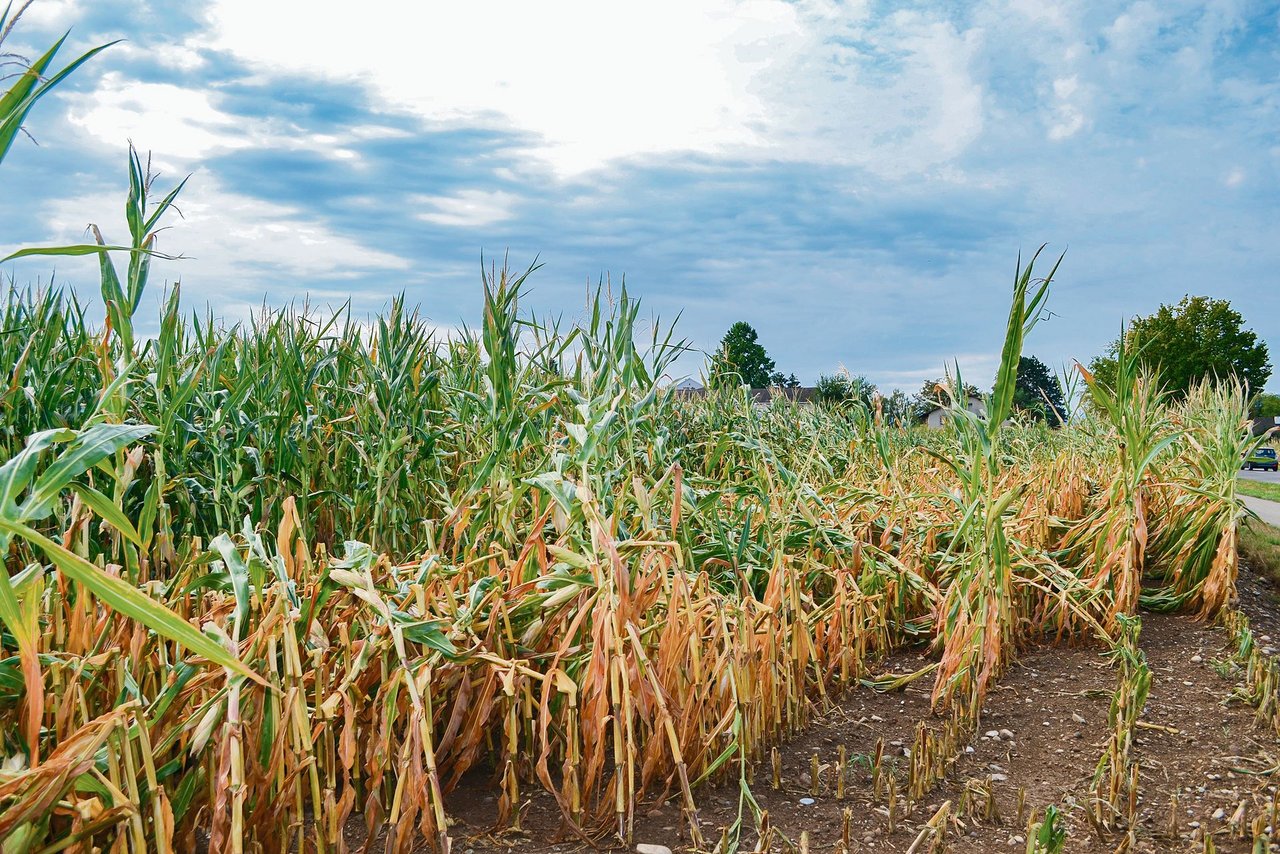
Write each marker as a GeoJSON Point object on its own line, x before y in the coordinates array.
{"type": "Point", "coordinates": [1268, 511]}
{"type": "Point", "coordinates": [1265, 476]}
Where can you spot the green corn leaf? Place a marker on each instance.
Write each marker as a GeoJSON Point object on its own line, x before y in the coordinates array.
{"type": "Point", "coordinates": [17, 472]}
{"type": "Point", "coordinates": [19, 607]}
{"type": "Point", "coordinates": [17, 103]}
{"type": "Point", "coordinates": [106, 508]}
{"type": "Point", "coordinates": [555, 485]}
{"type": "Point", "coordinates": [239, 573]}
{"type": "Point", "coordinates": [164, 205]}
{"type": "Point", "coordinates": [89, 448]}
{"type": "Point", "coordinates": [80, 249]}
{"type": "Point", "coordinates": [429, 633]}
{"type": "Point", "coordinates": [109, 393]}
{"type": "Point", "coordinates": [130, 601]}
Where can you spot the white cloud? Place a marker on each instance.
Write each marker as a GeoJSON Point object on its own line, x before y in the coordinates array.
{"type": "Point", "coordinates": [180, 57]}
{"type": "Point", "coordinates": [184, 125]}
{"type": "Point", "coordinates": [1042, 12]}
{"type": "Point", "coordinates": [1235, 177]}
{"type": "Point", "coordinates": [1134, 28]}
{"type": "Point", "coordinates": [894, 98]}
{"type": "Point", "coordinates": [1068, 117]}
{"type": "Point", "coordinates": [594, 82]}
{"type": "Point", "coordinates": [51, 14]}
{"type": "Point", "coordinates": [236, 247]}
{"type": "Point", "coordinates": [467, 208]}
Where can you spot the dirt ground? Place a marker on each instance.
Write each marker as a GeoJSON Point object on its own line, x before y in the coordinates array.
{"type": "Point", "coordinates": [1042, 732]}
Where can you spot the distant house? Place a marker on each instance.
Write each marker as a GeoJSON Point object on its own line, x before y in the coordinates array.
{"type": "Point", "coordinates": [936, 418]}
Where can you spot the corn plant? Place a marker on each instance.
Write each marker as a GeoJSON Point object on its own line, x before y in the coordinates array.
{"type": "Point", "coordinates": [1115, 539]}
{"type": "Point", "coordinates": [977, 613]}
{"type": "Point", "coordinates": [1201, 550]}
{"type": "Point", "coordinates": [1047, 836]}
{"type": "Point", "coordinates": [1261, 671]}
{"type": "Point", "coordinates": [1115, 779]}
{"type": "Point", "coordinates": [28, 494]}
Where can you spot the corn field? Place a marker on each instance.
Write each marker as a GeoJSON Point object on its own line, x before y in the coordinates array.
{"type": "Point", "coordinates": [268, 579]}
{"type": "Point", "coordinates": [514, 552]}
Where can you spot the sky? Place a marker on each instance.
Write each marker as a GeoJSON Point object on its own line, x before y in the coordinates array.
{"type": "Point", "coordinates": [856, 180]}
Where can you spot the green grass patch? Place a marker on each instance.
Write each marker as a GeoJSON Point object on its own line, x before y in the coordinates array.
{"type": "Point", "coordinates": [1260, 546]}
{"type": "Point", "coordinates": [1259, 489]}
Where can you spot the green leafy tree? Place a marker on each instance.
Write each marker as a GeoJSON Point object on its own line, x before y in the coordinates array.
{"type": "Point", "coordinates": [897, 409]}
{"type": "Point", "coordinates": [845, 388]}
{"type": "Point", "coordinates": [741, 359]}
{"type": "Point", "coordinates": [781, 380]}
{"type": "Point", "coordinates": [1265, 406]}
{"type": "Point", "coordinates": [1038, 393]}
{"type": "Point", "coordinates": [1199, 338]}
{"type": "Point", "coordinates": [936, 393]}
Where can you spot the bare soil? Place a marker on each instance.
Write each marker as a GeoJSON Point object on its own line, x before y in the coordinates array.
{"type": "Point", "coordinates": [1260, 601]}
{"type": "Point", "coordinates": [1042, 733]}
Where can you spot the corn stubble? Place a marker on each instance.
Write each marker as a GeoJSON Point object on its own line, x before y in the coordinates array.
{"type": "Point", "coordinates": [267, 580]}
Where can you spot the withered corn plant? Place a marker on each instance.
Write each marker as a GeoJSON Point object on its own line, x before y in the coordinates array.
{"type": "Point", "coordinates": [640, 595]}
{"type": "Point", "coordinates": [980, 613]}
{"type": "Point", "coordinates": [270, 582]}
{"type": "Point", "coordinates": [1261, 688]}
{"type": "Point", "coordinates": [1200, 560]}
{"type": "Point", "coordinates": [1113, 541]}
{"type": "Point", "coordinates": [1115, 779]}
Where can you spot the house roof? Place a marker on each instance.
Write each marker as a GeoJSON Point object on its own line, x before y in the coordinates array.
{"type": "Point", "coordinates": [799, 394]}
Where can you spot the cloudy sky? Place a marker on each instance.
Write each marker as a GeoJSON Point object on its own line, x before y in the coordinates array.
{"type": "Point", "coordinates": [855, 179]}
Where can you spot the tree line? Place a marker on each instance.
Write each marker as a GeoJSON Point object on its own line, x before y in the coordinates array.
{"type": "Point", "coordinates": [1199, 337]}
